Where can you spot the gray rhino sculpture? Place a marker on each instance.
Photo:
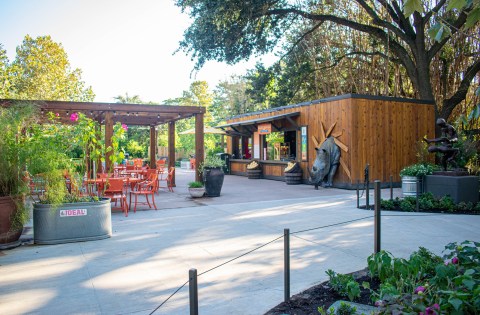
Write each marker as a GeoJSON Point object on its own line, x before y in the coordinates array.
{"type": "Point", "coordinates": [326, 163]}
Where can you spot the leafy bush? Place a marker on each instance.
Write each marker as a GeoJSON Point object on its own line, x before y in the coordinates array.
{"type": "Point", "coordinates": [446, 203]}
{"type": "Point", "coordinates": [428, 284]}
{"type": "Point", "coordinates": [345, 285]}
{"type": "Point", "coordinates": [418, 170]}
{"type": "Point", "coordinates": [408, 204]}
{"type": "Point", "coordinates": [195, 185]}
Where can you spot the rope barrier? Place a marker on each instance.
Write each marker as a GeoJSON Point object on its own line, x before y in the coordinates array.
{"type": "Point", "coordinates": [168, 298]}
{"type": "Point", "coordinates": [291, 233]}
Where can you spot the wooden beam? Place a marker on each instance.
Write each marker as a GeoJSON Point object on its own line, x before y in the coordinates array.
{"type": "Point", "coordinates": [108, 141]}
{"type": "Point", "coordinates": [171, 148]}
{"type": "Point", "coordinates": [199, 145]}
{"type": "Point", "coordinates": [153, 147]}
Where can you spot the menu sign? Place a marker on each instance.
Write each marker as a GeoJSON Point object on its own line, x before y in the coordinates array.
{"type": "Point", "coordinates": [304, 143]}
{"type": "Point", "coordinates": [265, 128]}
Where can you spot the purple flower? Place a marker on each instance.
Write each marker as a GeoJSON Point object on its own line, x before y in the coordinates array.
{"type": "Point", "coordinates": [455, 260]}
{"type": "Point", "coordinates": [378, 303]}
{"type": "Point", "coordinates": [431, 309]}
{"type": "Point", "coordinates": [74, 117]}
{"type": "Point", "coordinates": [125, 127]}
{"type": "Point", "coordinates": [419, 290]}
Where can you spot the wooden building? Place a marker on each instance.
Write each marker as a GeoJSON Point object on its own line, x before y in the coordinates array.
{"type": "Point", "coordinates": [379, 131]}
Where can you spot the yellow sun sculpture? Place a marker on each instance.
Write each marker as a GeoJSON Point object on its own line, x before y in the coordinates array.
{"type": "Point", "coordinates": [340, 144]}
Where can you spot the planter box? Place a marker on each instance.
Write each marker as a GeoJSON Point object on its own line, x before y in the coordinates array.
{"type": "Point", "coordinates": [409, 186]}
{"type": "Point", "coordinates": [460, 188]}
{"type": "Point", "coordinates": [75, 222]}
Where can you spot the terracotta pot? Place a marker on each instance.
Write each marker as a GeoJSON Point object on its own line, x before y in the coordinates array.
{"type": "Point", "coordinates": [8, 238]}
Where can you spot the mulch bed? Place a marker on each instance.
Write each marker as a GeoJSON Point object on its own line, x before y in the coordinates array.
{"type": "Point", "coordinates": [308, 301]}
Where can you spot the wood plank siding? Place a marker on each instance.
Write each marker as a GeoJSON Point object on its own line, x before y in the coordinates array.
{"type": "Point", "coordinates": [380, 131]}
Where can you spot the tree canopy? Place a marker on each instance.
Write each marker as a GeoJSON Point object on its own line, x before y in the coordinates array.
{"type": "Point", "coordinates": [41, 71]}
{"type": "Point", "coordinates": [423, 37]}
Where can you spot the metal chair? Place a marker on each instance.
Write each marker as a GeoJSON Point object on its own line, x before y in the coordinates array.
{"type": "Point", "coordinates": [145, 188]}
{"type": "Point", "coordinates": [115, 191]}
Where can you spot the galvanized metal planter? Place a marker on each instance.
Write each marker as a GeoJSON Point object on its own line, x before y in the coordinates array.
{"type": "Point", "coordinates": [75, 222]}
{"type": "Point", "coordinates": [409, 186]}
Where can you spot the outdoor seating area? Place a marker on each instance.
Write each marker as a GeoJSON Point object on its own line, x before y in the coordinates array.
{"type": "Point", "coordinates": [127, 182]}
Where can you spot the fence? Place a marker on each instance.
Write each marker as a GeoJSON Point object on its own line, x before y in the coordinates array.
{"type": "Point", "coordinates": [193, 274]}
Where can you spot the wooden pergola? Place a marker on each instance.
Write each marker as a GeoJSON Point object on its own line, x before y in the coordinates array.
{"type": "Point", "coordinates": [151, 115]}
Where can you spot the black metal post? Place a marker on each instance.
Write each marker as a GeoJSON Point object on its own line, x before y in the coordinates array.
{"type": "Point", "coordinates": [417, 195]}
{"type": "Point", "coordinates": [391, 187]}
{"type": "Point", "coordinates": [286, 256]}
{"type": "Point", "coordinates": [358, 194]}
{"type": "Point", "coordinates": [377, 228]}
{"type": "Point", "coordinates": [193, 291]}
{"type": "Point", "coordinates": [367, 193]}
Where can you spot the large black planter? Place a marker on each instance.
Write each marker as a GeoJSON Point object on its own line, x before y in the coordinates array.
{"type": "Point", "coordinates": [74, 222]}
{"type": "Point", "coordinates": [213, 181]}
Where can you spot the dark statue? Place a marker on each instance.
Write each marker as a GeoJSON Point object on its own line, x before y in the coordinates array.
{"type": "Point", "coordinates": [325, 164]}
{"type": "Point", "coordinates": [444, 144]}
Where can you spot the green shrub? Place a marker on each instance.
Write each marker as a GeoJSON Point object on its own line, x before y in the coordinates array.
{"type": "Point", "coordinates": [446, 203]}
{"type": "Point", "coordinates": [387, 204]}
{"type": "Point", "coordinates": [195, 185]}
{"type": "Point", "coordinates": [427, 201]}
{"type": "Point", "coordinates": [345, 285]}
{"type": "Point", "coordinates": [408, 204]}
{"type": "Point", "coordinates": [418, 170]}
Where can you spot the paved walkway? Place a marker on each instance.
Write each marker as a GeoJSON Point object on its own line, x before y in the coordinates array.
{"type": "Point", "coordinates": [151, 252]}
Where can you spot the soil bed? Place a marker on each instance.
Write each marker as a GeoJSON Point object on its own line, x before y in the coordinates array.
{"type": "Point", "coordinates": [308, 301]}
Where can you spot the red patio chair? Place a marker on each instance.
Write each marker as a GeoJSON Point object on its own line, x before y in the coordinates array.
{"type": "Point", "coordinates": [145, 188]}
{"type": "Point", "coordinates": [115, 191]}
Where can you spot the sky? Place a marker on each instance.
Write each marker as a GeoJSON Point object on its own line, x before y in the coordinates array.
{"type": "Point", "coordinates": [121, 46]}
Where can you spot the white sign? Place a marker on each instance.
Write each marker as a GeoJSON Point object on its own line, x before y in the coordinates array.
{"type": "Point", "coordinates": [73, 213]}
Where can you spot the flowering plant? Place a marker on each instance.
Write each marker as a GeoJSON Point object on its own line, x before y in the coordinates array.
{"type": "Point", "coordinates": [424, 284]}
{"type": "Point", "coordinates": [418, 170]}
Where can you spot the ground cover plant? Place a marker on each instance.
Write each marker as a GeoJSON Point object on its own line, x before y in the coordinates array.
{"type": "Point", "coordinates": [428, 203]}
{"type": "Point", "coordinates": [422, 284]}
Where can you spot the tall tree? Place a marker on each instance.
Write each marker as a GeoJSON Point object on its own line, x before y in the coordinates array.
{"type": "Point", "coordinates": [233, 30]}
{"type": "Point", "coordinates": [127, 99]}
{"type": "Point", "coordinates": [41, 71]}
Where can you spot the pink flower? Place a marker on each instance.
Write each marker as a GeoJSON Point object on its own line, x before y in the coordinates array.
{"type": "Point", "coordinates": [455, 260]}
{"type": "Point", "coordinates": [431, 309]}
{"type": "Point", "coordinates": [419, 290]}
{"type": "Point", "coordinates": [74, 117]}
{"type": "Point", "coordinates": [125, 127]}
{"type": "Point", "coordinates": [57, 114]}
{"type": "Point", "coordinates": [378, 303]}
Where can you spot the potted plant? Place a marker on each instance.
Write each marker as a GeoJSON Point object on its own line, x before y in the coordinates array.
{"type": "Point", "coordinates": [412, 174]}
{"type": "Point", "coordinates": [196, 189]}
{"type": "Point", "coordinates": [13, 188]}
{"type": "Point", "coordinates": [254, 170]}
{"type": "Point", "coordinates": [293, 173]}
{"type": "Point", "coordinates": [66, 215]}
{"type": "Point", "coordinates": [212, 173]}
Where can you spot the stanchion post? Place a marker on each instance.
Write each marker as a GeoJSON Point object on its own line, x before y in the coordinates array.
{"type": "Point", "coordinates": [286, 256]}
{"type": "Point", "coordinates": [367, 194]}
{"type": "Point", "coordinates": [391, 187]}
{"type": "Point", "coordinates": [377, 225]}
{"type": "Point", "coordinates": [193, 291]}
{"type": "Point", "coordinates": [358, 194]}
{"type": "Point", "coordinates": [417, 195]}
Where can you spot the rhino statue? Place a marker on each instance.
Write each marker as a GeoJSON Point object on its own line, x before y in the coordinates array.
{"type": "Point", "coordinates": [326, 163]}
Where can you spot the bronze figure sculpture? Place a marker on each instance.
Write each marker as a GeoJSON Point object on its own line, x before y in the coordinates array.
{"type": "Point", "coordinates": [445, 144]}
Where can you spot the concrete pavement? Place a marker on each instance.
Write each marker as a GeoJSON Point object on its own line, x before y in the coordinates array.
{"type": "Point", "coordinates": [151, 252]}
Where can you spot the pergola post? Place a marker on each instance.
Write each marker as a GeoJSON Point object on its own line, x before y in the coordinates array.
{"type": "Point", "coordinates": [153, 147]}
{"type": "Point", "coordinates": [108, 140]}
{"type": "Point", "coordinates": [199, 145]}
{"type": "Point", "coordinates": [171, 148]}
